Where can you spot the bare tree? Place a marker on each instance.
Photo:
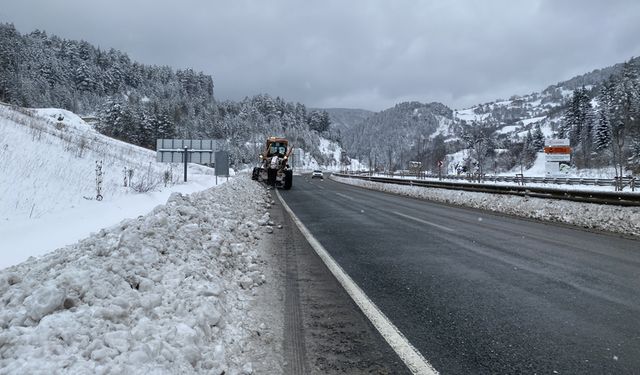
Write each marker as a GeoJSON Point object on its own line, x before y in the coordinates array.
{"type": "Point", "coordinates": [478, 137]}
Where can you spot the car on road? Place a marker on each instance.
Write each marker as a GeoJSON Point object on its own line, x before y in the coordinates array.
{"type": "Point", "coordinates": [317, 174]}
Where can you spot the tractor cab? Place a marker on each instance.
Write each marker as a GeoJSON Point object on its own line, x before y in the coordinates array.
{"type": "Point", "coordinates": [276, 146]}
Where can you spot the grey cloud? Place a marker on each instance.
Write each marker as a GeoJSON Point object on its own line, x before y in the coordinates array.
{"type": "Point", "coordinates": [360, 53]}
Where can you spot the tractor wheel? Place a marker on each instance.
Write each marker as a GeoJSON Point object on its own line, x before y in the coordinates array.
{"type": "Point", "coordinates": [288, 179]}
{"type": "Point", "coordinates": [255, 173]}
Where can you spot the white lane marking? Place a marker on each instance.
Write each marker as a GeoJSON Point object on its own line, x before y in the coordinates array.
{"type": "Point", "coordinates": [424, 221]}
{"type": "Point", "coordinates": [411, 357]}
{"type": "Point", "coordinates": [346, 196]}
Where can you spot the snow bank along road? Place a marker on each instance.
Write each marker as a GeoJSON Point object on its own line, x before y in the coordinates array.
{"type": "Point", "coordinates": [171, 292]}
{"type": "Point", "coordinates": [477, 292]}
{"type": "Point", "coordinates": [616, 219]}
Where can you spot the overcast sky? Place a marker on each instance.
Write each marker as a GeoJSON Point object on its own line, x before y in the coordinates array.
{"type": "Point", "coordinates": [367, 54]}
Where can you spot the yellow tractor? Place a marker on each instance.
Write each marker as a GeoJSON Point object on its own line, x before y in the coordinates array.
{"type": "Point", "coordinates": [279, 148]}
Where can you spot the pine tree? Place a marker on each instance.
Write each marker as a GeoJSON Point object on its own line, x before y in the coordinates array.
{"type": "Point", "coordinates": [578, 124]}
{"type": "Point", "coordinates": [318, 121]}
{"type": "Point", "coordinates": [163, 127]}
{"type": "Point", "coordinates": [586, 130]}
{"type": "Point", "coordinates": [634, 157]}
{"type": "Point", "coordinates": [145, 129]}
{"type": "Point", "coordinates": [538, 139]}
{"type": "Point", "coordinates": [571, 119]}
{"type": "Point", "coordinates": [84, 79]}
{"type": "Point", "coordinates": [602, 131]}
{"type": "Point", "coordinates": [625, 115]}
{"type": "Point", "coordinates": [10, 51]}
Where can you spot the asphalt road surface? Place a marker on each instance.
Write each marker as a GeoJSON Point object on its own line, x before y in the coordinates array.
{"type": "Point", "coordinates": [325, 332]}
{"type": "Point", "coordinates": [476, 292]}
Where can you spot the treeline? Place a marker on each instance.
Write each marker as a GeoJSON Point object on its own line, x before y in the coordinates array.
{"type": "Point", "coordinates": [134, 102]}
{"type": "Point", "coordinates": [139, 103]}
{"type": "Point", "coordinates": [489, 151]}
{"type": "Point", "coordinates": [603, 123]}
{"type": "Point", "coordinates": [249, 122]}
{"type": "Point", "coordinates": [391, 138]}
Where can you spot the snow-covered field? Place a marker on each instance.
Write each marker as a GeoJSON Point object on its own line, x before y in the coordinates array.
{"type": "Point", "coordinates": [615, 219]}
{"type": "Point", "coordinates": [49, 163]}
{"type": "Point", "coordinates": [469, 115]}
{"type": "Point", "coordinates": [23, 237]}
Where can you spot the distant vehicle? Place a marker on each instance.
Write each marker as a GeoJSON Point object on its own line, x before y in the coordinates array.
{"type": "Point", "coordinates": [317, 174]}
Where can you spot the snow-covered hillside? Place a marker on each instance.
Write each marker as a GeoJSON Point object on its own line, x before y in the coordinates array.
{"type": "Point", "coordinates": [516, 128]}
{"type": "Point", "coordinates": [48, 189]}
{"type": "Point", "coordinates": [520, 114]}
{"type": "Point", "coordinates": [331, 159]}
{"type": "Point", "coordinates": [544, 108]}
{"type": "Point", "coordinates": [49, 159]}
{"type": "Point", "coordinates": [346, 118]}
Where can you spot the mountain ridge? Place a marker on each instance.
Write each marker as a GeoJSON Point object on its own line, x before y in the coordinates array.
{"type": "Point", "coordinates": [514, 121]}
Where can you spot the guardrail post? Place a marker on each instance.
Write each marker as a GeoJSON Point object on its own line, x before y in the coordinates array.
{"type": "Point", "coordinates": [520, 179]}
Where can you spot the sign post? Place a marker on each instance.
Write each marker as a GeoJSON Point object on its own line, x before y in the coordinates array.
{"type": "Point", "coordinates": [557, 157]}
{"type": "Point", "coordinates": [185, 157]}
{"type": "Point", "coordinates": [185, 151]}
{"type": "Point", "coordinates": [222, 164]}
{"type": "Point", "coordinates": [415, 167]}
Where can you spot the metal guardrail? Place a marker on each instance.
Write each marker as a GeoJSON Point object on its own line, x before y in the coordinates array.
{"type": "Point", "coordinates": [626, 181]}
{"type": "Point", "coordinates": [630, 182]}
{"type": "Point", "coordinates": [586, 196]}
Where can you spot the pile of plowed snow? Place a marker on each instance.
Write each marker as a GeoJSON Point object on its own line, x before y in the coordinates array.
{"type": "Point", "coordinates": [166, 293]}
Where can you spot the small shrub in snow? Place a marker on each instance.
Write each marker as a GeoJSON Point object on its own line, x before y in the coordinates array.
{"type": "Point", "coordinates": [167, 176]}
{"type": "Point", "coordinates": [145, 183]}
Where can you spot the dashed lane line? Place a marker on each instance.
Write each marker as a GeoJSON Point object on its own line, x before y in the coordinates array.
{"type": "Point", "coordinates": [345, 196]}
{"type": "Point", "coordinates": [424, 221]}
